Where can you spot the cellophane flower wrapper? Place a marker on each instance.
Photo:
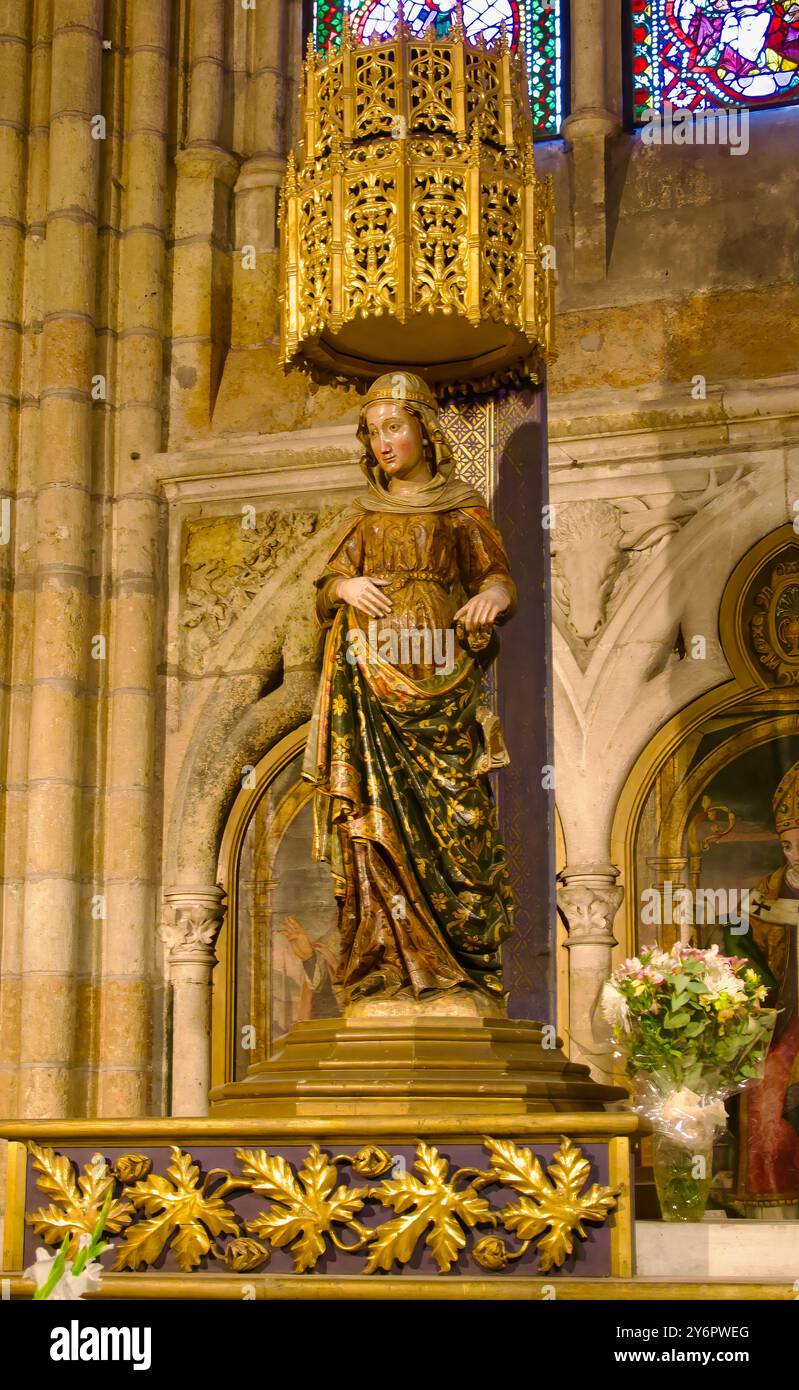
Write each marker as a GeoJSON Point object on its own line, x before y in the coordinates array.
{"type": "Point", "coordinates": [692, 1029]}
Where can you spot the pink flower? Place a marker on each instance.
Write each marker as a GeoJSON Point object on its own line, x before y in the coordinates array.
{"type": "Point", "coordinates": [654, 976]}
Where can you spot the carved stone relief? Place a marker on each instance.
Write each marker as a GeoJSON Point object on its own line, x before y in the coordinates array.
{"type": "Point", "coordinates": [225, 561]}
{"type": "Point", "coordinates": [599, 546]}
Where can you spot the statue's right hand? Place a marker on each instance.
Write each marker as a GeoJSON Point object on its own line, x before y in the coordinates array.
{"type": "Point", "coordinates": [364, 595]}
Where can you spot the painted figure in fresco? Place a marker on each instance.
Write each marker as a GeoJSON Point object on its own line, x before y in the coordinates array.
{"type": "Point", "coordinates": [769, 1167]}
{"type": "Point", "coordinates": [404, 812]}
{"type": "Point", "coordinates": [303, 970]}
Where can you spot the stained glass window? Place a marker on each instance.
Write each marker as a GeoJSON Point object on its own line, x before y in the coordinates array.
{"type": "Point", "coordinates": [538, 23]}
{"type": "Point", "coordinates": [699, 54]}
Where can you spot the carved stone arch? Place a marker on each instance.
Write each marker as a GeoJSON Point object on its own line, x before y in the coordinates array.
{"type": "Point", "coordinates": [261, 688]}
{"type": "Point", "coordinates": [609, 715]}
{"type": "Point", "coordinates": [745, 691]}
{"type": "Point", "coordinates": [606, 714]}
{"type": "Point", "coordinates": [245, 805]}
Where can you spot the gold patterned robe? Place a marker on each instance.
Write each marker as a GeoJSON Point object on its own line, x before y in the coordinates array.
{"type": "Point", "coordinates": [404, 816]}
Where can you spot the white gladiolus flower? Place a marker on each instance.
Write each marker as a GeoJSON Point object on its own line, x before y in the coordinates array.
{"type": "Point", "coordinates": [70, 1286]}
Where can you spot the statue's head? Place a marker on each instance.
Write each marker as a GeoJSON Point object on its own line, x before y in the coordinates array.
{"type": "Point", "coordinates": [400, 429]}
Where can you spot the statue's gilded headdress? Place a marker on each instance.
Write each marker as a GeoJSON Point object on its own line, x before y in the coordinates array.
{"type": "Point", "coordinates": [786, 801]}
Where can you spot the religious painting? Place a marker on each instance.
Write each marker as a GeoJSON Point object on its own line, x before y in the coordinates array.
{"type": "Point", "coordinates": [717, 861]}
{"type": "Point", "coordinates": [287, 948]}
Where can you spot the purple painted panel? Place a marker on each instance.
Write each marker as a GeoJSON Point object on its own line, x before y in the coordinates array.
{"type": "Point", "coordinates": [592, 1257]}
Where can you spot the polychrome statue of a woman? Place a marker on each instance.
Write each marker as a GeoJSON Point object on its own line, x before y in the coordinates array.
{"type": "Point", "coordinates": [401, 743]}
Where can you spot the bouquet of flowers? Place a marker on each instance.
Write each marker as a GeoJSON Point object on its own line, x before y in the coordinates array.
{"type": "Point", "coordinates": [694, 1030]}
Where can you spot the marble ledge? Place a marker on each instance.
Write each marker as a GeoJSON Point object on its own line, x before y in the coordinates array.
{"type": "Point", "coordinates": [717, 1248]}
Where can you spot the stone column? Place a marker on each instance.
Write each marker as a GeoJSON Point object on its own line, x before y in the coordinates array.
{"type": "Point", "coordinates": [124, 1046]}
{"type": "Point", "coordinates": [14, 57]}
{"type": "Point", "coordinates": [274, 62]}
{"type": "Point", "coordinates": [14, 77]}
{"type": "Point", "coordinates": [62, 606]}
{"type": "Point", "coordinates": [192, 920]}
{"type": "Point", "coordinates": [255, 289]}
{"type": "Point", "coordinates": [201, 259]}
{"type": "Point", "coordinates": [20, 671]}
{"type": "Point", "coordinates": [594, 120]}
{"type": "Point", "coordinates": [589, 898]}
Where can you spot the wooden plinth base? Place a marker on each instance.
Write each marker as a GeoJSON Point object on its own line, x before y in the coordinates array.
{"type": "Point", "coordinates": [415, 1065]}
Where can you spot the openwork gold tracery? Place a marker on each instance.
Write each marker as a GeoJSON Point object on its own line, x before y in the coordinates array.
{"type": "Point", "coordinates": [414, 228]}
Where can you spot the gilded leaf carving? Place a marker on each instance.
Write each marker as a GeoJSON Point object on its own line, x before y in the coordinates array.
{"type": "Point", "coordinates": [243, 1255]}
{"type": "Point", "coordinates": [371, 1161]}
{"type": "Point", "coordinates": [551, 1207]}
{"type": "Point", "coordinates": [76, 1203]}
{"type": "Point", "coordinates": [429, 1206]}
{"type": "Point", "coordinates": [179, 1211]}
{"type": "Point", "coordinates": [304, 1208]}
{"type": "Point", "coordinates": [309, 1209]}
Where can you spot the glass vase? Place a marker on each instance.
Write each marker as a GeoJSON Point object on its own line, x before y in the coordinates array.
{"type": "Point", "coordinates": [682, 1178]}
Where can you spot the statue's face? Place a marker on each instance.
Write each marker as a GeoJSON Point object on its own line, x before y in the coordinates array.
{"type": "Point", "coordinates": [789, 839]}
{"type": "Point", "coordinates": [396, 440]}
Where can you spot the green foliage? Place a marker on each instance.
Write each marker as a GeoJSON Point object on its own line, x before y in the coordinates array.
{"type": "Point", "coordinates": [690, 1018]}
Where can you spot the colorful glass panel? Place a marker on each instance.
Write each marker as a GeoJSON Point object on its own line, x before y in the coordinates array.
{"type": "Point", "coordinates": [699, 54]}
{"type": "Point", "coordinates": [536, 22]}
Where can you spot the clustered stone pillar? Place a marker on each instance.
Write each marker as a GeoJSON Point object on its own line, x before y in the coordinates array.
{"type": "Point", "coordinates": [125, 1030]}
{"type": "Point", "coordinates": [14, 51]}
{"type": "Point", "coordinates": [201, 270]}
{"type": "Point", "coordinates": [93, 96]}
{"type": "Point", "coordinates": [589, 898]}
{"type": "Point", "coordinates": [13, 92]}
{"type": "Point", "coordinates": [62, 539]}
{"type": "Point", "coordinates": [191, 924]}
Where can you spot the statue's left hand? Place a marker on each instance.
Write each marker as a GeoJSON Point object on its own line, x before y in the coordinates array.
{"type": "Point", "coordinates": [483, 608]}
